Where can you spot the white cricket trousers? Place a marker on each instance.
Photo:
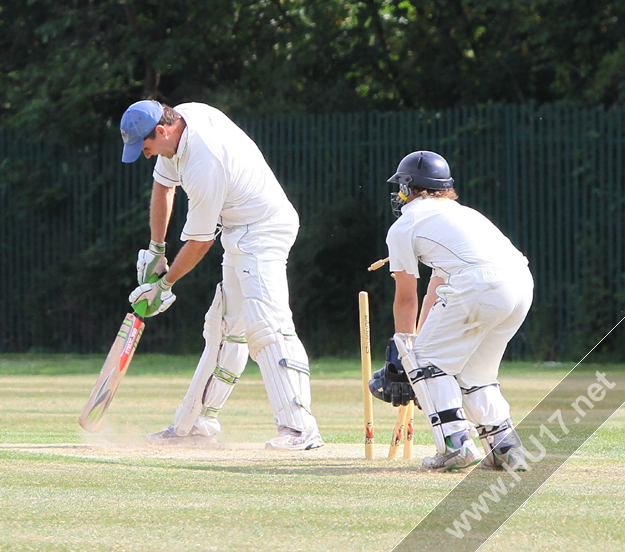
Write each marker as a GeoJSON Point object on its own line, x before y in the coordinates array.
{"type": "Point", "coordinates": [467, 330]}
{"type": "Point", "coordinates": [254, 267]}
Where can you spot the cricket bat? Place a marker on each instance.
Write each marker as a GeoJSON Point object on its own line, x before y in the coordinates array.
{"type": "Point", "coordinates": [115, 367]}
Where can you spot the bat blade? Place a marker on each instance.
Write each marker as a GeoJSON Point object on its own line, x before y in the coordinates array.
{"type": "Point", "coordinates": [112, 373]}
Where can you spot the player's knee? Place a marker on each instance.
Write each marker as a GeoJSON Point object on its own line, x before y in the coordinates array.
{"type": "Point", "coordinates": [485, 405]}
{"type": "Point", "coordinates": [213, 321]}
{"type": "Point", "coordinates": [261, 328]}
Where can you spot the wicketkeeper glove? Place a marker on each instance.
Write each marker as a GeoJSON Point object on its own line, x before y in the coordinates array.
{"type": "Point", "coordinates": [390, 384]}
{"type": "Point", "coordinates": [158, 295]}
{"type": "Point", "coordinates": [151, 261]}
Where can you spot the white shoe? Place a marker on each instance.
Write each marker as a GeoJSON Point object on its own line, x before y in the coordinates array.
{"type": "Point", "coordinates": [514, 457]}
{"type": "Point", "coordinates": [168, 437]}
{"type": "Point", "coordinates": [509, 449]}
{"type": "Point", "coordinates": [292, 439]}
{"type": "Point", "coordinates": [467, 455]}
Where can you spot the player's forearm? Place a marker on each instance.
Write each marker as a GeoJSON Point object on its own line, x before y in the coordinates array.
{"type": "Point", "coordinates": [405, 315]}
{"type": "Point", "coordinates": [188, 257]}
{"type": "Point", "coordinates": [161, 207]}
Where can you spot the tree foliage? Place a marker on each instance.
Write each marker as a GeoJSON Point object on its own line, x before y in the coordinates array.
{"type": "Point", "coordinates": [68, 67]}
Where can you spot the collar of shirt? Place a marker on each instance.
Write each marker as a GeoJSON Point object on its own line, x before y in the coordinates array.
{"type": "Point", "coordinates": [182, 144]}
{"type": "Point", "coordinates": [412, 204]}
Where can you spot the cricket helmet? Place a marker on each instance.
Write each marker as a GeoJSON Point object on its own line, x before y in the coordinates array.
{"type": "Point", "coordinates": [420, 169]}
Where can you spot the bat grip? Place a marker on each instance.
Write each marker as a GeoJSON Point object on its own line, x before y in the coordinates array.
{"type": "Point", "coordinates": [141, 307]}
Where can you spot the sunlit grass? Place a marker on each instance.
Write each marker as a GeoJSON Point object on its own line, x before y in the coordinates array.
{"type": "Point", "coordinates": [62, 489]}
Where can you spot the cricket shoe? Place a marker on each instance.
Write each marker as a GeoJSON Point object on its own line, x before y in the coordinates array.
{"type": "Point", "coordinates": [513, 457]}
{"type": "Point", "coordinates": [507, 451]}
{"type": "Point", "coordinates": [292, 439]}
{"type": "Point", "coordinates": [168, 437]}
{"type": "Point", "coordinates": [455, 459]}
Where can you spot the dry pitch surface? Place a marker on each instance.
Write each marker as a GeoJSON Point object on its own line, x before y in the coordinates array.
{"type": "Point", "coordinates": [64, 490]}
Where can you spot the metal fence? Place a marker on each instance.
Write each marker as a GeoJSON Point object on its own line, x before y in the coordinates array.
{"type": "Point", "coordinates": [550, 177]}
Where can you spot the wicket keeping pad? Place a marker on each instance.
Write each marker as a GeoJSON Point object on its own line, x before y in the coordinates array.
{"type": "Point", "coordinates": [390, 383]}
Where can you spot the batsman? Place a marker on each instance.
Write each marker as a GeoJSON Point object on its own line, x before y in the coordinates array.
{"type": "Point", "coordinates": [230, 189]}
{"type": "Point", "coordinates": [478, 296]}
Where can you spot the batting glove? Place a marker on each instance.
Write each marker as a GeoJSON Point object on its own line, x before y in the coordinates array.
{"type": "Point", "coordinates": [151, 261]}
{"type": "Point", "coordinates": [158, 295]}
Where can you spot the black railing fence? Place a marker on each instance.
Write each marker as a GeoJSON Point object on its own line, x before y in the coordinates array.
{"type": "Point", "coordinates": [550, 177]}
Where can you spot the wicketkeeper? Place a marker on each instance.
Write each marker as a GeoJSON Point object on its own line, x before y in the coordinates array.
{"type": "Point", "coordinates": [479, 294]}
{"type": "Point", "coordinates": [230, 187]}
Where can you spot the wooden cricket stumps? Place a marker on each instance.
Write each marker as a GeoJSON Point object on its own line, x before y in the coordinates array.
{"type": "Point", "coordinates": [404, 429]}
{"type": "Point", "coordinates": [405, 417]}
{"type": "Point", "coordinates": [404, 425]}
{"type": "Point", "coordinates": [409, 431]}
{"type": "Point", "coordinates": [365, 356]}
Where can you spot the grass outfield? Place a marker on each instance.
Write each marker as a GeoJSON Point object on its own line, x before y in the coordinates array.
{"type": "Point", "coordinates": [62, 489]}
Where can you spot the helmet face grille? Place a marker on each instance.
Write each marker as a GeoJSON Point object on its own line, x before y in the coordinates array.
{"type": "Point", "coordinates": [397, 202]}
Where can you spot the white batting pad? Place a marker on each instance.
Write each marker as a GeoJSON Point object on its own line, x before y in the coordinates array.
{"type": "Point", "coordinates": [485, 406]}
{"type": "Point", "coordinates": [501, 444]}
{"type": "Point", "coordinates": [438, 394]}
{"type": "Point", "coordinates": [231, 362]}
{"type": "Point", "coordinates": [283, 364]}
{"type": "Point", "coordinates": [213, 321]}
{"type": "Point", "coordinates": [191, 406]}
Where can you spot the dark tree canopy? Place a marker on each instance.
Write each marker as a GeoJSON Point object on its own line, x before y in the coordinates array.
{"type": "Point", "coordinates": [69, 67]}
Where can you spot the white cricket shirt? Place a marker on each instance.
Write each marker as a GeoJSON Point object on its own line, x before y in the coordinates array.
{"type": "Point", "coordinates": [448, 237]}
{"type": "Point", "coordinates": [223, 173]}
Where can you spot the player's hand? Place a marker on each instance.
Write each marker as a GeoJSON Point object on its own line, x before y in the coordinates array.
{"type": "Point", "coordinates": [158, 295]}
{"type": "Point", "coordinates": [151, 261]}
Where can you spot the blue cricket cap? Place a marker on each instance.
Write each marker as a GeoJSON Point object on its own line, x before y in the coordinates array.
{"type": "Point", "coordinates": [138, 121]}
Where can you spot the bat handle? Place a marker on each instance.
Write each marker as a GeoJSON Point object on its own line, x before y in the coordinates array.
{"type": "Point", "coordinates": [141, 307]}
